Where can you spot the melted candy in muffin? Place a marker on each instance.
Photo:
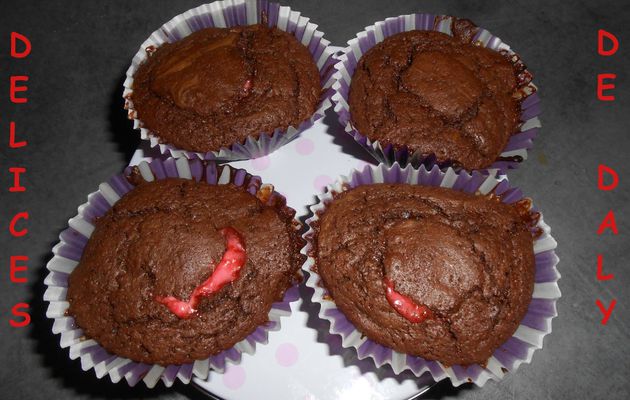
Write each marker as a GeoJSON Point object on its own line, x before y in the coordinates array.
{"type": "Point", "coordinates": [224, 251]}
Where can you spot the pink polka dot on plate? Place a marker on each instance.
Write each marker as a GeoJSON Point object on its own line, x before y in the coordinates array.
{"type": "Point", "coordinates": [304, 146]}
{"type": "Point", "coordinates": [321, 181]}
{"type": "Point", "coordinates": [261, 163]}
{"type": "Point", "coordinates": [287, 354]}
{"type": "Point", "coordinates": [234, 377]}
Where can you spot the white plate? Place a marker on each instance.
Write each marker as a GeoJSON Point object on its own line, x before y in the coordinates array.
{"type": "Point", "coordinates": [301, 360]}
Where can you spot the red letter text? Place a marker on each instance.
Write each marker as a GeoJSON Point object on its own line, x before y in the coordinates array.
{"type": "Point", "coordinates": [18, 268]}
{"type": "Point", "coordinates": [600, 270]}
{"type": "Point", "coordinates": [16, 179]}
{"type": "Point", "coordinates": [16, 218]}
{"type": "Point", "coordinates": [16, 312]}
{"type": "Point", "coordinates": [27, 45]}
{"type": "Point", "coordinates": [608, 222]}
{"type": "Point", "coordinates": [606, 311]}
{"type": "Point", "coordinates": [601, 86]}
{"type": "Point", "coordinates": [12, 143]}
{"type": "Point", "coordinates": [601, 35]}
{"type": "Point", "coordinates": [15, 88]}
{"type": "Point", "coordinates": [600, 178]}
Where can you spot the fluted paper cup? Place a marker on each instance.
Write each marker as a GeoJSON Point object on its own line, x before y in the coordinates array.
{"type": "Point", "coordinates": [515, 150]}
{"type": "Point", "coordinates": [224, 14]}
{"type": "Point", "coordinates": [68, 251]}
{"type": "Point", "coordinates": [515, 351]}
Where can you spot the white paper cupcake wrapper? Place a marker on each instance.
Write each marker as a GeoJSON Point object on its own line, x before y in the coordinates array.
{"type": "Point", "coordinates": [67, 254]}
{"type": "Point", "coordinates": [516, 147]}
{"type": "Point", "coordinates": [223, 14]}
{"type": "Point", "coordinates": [533, 328]}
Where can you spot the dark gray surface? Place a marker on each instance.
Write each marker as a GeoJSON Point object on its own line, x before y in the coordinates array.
{"type": "Point", "coordinates": [78, 136]}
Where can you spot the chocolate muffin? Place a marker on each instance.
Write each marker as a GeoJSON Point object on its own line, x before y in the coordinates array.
{"type": "Point", "coordinates": [218, 86]}
{"type": "Point", "coordinates": [438, 94]}
{"type": "Point", "coordinates": [179, 270]}
{"type": "Point", "coordinates": [427, 271]}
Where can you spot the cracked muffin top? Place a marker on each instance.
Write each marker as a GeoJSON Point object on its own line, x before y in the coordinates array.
{"type": "Point", "coordinates": [431, 272]}
{"type": "Point", "coordinates": [438, 94]}
{"type": "Point", "coordinates": [179, 270]}
{"type": "Point", "coordinates": [218, 86]}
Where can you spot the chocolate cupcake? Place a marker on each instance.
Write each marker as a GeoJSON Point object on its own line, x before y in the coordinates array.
{"type": "Point", "coordinates": [429, 90]}
{"type": "Point", "coordinates": [431, 271]}
{"type": "Point", "coordinates": [427, 271]}
{"type": "Point", "coordinates": [189, 265]}
{"type": "Point", "coordinates": [230, 87]}
{"type": "Point", "coordinates": [220, 85]}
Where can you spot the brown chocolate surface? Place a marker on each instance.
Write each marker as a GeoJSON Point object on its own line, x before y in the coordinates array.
{"type": "Point", "coordinates": [162, 239]}
{"type": "Point", "coordinates": [438, 94]}
{"type": "Point", "coordinates": [468, 258]}
{"type": "Point", "coordinates": [217, 86]}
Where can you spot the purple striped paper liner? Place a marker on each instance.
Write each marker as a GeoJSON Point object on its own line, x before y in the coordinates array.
{"type": "Point", "coordinates": [519, 142]}
{"type": "Point", "coordinates": [533, 328]}
{"type": "Point", "coordinates": [230, 13]}
{"type": "Point", "coordinates": [68, 251]}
